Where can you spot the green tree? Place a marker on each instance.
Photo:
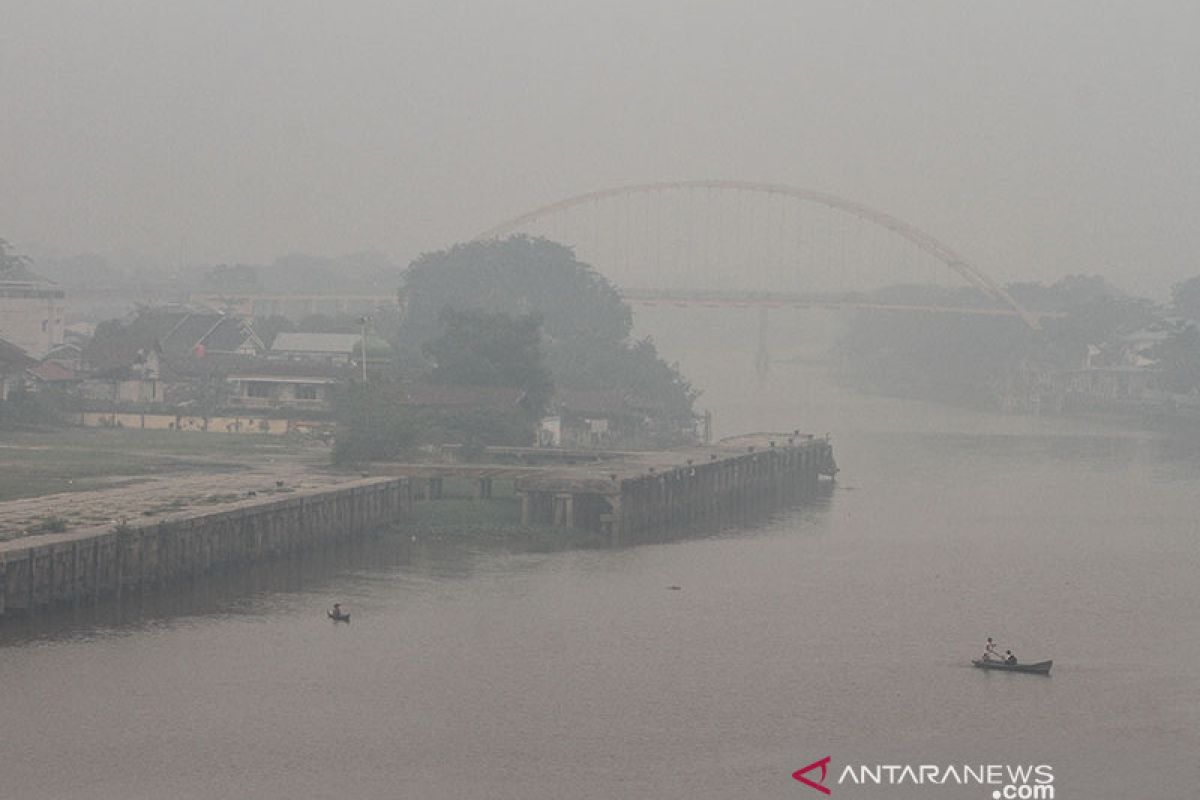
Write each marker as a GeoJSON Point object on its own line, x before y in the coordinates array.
{"type": "Point", "coordinates": [1185, 297]}
{"type": "Point", "coordinates": [11, 262]}
{"type": "Point", "coordinates": [585, 324]}
{"type": "Point", "coordinates": [270, 327]}
{"type": "Point", "coordinates": [374, 424]}
{"type": "Point", "coordinates": [1179, 357]}
{"type": "Point", "coordinates": [479, 348]}
{"type": "Point", "coordinates": [516, 276]}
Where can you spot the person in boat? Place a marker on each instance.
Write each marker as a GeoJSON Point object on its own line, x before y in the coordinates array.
{"type": "Point", "coordinates": [1009, 658]}
{"type": "Point", "coordinates": [337, 611]}
{"type": "Point", "coordinates": [989, 651]}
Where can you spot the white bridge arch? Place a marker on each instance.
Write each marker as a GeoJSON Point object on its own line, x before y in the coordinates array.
{"type": "Point", "coordinates": [631, 227]}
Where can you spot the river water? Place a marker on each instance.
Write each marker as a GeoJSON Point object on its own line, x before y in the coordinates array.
{"type": "Point", "coordinates": [840, 628]}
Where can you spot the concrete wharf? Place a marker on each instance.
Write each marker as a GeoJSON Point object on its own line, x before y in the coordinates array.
{"type": "Point", "coordinates": [92, 562]}
{"type": "Point", "coordinates": [655, 490]}
{"type": "Point", "coordinates": [621, 494]}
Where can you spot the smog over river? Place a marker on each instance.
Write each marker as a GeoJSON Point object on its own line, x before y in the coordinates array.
{"type": "Point", "coordinates": [542, 400]}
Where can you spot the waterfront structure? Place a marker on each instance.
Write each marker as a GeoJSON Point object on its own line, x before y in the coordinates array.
{"type": "Point", "coordinates": [85, 565]}
{"type": "Point", "coordinates": [657, 491]}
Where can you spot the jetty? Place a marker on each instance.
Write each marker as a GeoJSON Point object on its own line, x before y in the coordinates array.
{"type": "Point", "coordinates": [88, 563]}
{"type": "Point", "coordinates": [624, 495]}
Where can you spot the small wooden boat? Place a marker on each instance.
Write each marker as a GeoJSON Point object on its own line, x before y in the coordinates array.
{"type": "Point", "coordinates": [338, 617]}
{"type": "Point", "coordinates": [1040, 668]}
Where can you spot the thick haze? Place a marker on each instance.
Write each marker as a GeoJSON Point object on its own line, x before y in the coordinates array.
{"type": "Point", "coordinates": [1039, 139]}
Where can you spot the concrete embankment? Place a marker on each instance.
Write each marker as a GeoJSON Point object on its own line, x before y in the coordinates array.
{"type": "Point", "coordinates": [90, 563]}
{"type": "Point", "coordinates": [672, 488]}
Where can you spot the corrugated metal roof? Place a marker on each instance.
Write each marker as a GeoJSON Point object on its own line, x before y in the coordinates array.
{"type": "Point", "coordinates": [339, 343]}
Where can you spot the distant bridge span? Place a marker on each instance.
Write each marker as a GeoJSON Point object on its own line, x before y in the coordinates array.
{"type": "Point", "coordinates": [922, 240]}
{"type": "Point", "coordinates": [766, 300]}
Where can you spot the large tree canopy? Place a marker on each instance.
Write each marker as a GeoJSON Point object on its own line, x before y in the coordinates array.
{"type": "Point", "coordinates": [11, 264]}
{"type": "Point", "coordinates": [585, 324]}
{"type": "Point", "coordinates": [516, 276]}
{"type": "Point", "coordinates": [479, 348]}
{"type": "Point", "coordinates": [1185, 297]}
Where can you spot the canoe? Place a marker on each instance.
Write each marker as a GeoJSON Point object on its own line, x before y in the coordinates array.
{"type": "Point", "coordinates": [338, 617]}
{"type": "Point", "coordinates": [1040, 668]}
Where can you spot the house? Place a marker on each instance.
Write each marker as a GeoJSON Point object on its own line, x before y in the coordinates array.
{"type": "Point", "coordinates": [54, 374]}
{"type": "Point", "coordinates": [68, 354]}
{"type": "Point", "coordinates": [264, 384]}
{"type": "Point", "coordinates": [13, 363]}
{"type": "Point", "coordinates": [189, 332]}
{"type": "Point", "coordinates": [176, 333]}
{"type": "Point", "coordinates": [330, 348]}
{"type": "Point", "coordinates": [164, 354]}
{"type": "Point", "coordinates": [139, 382]}
{"type": "Point", "coordinates": [31, 310]}
{"type": "Point", "coordinates": [590, 418]}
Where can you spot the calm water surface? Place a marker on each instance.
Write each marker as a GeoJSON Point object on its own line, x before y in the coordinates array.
{"type": "Point", "coordinates": [842, 628]}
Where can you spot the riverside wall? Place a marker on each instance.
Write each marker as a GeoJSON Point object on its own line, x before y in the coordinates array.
{"type": "Point", "coordinates": [751, 472]}
{"type": "Point", "coordinates": [85, 565]}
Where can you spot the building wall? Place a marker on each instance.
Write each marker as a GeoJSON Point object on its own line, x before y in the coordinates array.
{"type": "Point", "coordinates": [169, 422]}
{"type": "Point", "coordinates": [31, 316]}
{"type": "Point", "coordinates": [130, 391]}
{"type": "Point", "coordinates": [280, 393]}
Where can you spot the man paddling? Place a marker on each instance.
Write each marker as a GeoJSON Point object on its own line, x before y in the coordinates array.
{"type": "Point", "coordinates": [989, 651]}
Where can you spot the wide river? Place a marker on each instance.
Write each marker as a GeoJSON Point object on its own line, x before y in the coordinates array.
{"type": "Point", "coordinates": [843, 628]}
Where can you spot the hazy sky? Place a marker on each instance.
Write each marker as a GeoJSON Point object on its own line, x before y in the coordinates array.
{"type": "Point", "coordinates": [1037, 138]}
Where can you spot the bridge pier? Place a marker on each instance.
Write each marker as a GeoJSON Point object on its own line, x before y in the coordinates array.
{"type": "Point", "coordinates": [762, 357]}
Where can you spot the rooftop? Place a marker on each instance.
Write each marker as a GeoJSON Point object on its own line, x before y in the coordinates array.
{"type": "Point", "coordinates": [331, 343]}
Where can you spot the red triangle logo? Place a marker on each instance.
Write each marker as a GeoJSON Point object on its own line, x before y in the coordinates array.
{"type": "Point", "coordinates": [818, 785]}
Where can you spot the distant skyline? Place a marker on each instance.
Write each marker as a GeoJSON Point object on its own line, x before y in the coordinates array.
{"type": "Point", "coordinates": [1039, 139]}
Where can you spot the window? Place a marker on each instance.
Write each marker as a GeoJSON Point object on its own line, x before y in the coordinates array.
{"type": "Point", "coordinates": [258, 389]}
{"type": "Point", "coordinates": [306, 391]}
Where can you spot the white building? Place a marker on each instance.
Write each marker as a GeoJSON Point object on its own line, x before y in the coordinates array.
{"type": "Point", "coordinates": [31, 311]}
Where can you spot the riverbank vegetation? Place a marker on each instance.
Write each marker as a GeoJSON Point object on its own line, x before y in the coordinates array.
{"type": "Point", "coordinates": [1096, 349]}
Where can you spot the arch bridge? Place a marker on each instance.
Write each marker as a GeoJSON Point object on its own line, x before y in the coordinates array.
{"type": "Point", "coordinates": [764, 245]}
{"type": "Point", "coordinates": [786, 236]}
